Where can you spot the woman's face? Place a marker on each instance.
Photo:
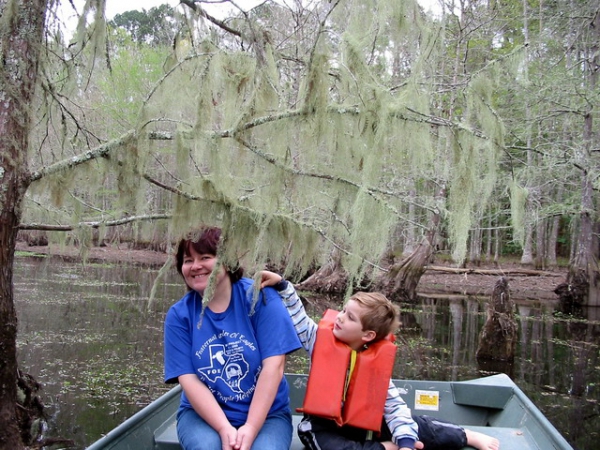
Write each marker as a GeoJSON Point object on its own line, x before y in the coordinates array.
{"type": "Point", "coordinates": [196, 270]}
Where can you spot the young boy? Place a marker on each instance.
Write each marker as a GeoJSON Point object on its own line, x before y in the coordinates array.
{"type": "Point", "coordinates": [362, 325]}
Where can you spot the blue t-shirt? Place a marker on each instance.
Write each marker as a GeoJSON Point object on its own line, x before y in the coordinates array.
{"type": "Point", "coordinates": [225, 350]}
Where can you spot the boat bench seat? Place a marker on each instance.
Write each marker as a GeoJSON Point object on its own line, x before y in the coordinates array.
{"type": "Point", "coordinates": [510, 438]}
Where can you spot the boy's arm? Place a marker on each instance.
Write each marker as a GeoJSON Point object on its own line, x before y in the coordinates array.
{"type": "Point", "coordinates": [305, 327]}
{"type": "Point", "coordinates": [398, 417]}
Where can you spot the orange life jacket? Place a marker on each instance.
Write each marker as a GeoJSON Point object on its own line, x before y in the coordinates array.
{"type": "Point", "coordinates": [359, 402]}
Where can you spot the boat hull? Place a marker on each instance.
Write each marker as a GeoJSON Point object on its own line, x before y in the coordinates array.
{"type": "Point", "coordinates": [492, 405]}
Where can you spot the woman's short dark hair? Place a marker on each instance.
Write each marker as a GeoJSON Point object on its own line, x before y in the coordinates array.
{"type": "Point", "coordinates": [204, 241]}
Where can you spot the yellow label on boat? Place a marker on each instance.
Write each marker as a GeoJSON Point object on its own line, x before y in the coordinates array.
{"type": "Point", "coordinates": [428, 400]}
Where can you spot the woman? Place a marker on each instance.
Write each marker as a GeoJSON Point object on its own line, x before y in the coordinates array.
{"type": "Point", "coordinates": [229, 356]}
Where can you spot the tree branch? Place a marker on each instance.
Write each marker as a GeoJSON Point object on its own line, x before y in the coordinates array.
{"type": "Point", "coordinates": [108, 223]}
{"type": "Point", "coordinates": [192, 5]}
{"type": "Point", "coordinates": [104, 150]}
{"type": "Point", "coordinates": [99, 152]}
{"type": "Point", "coordinates": [309, 226]}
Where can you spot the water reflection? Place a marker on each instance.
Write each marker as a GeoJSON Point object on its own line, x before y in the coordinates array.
{"type": "Point", "coordinates": [556, 363]}
{"type": "Point", "coordinates": [87, 335]}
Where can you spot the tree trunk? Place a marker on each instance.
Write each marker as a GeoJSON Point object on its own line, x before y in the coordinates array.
{"type": "Point", "coordinates": [411, 239]}
{"type": "Point", "coordinates": [551, 246]}
{"type": "Point", "coordinates": [497, 236]}
{"type": "Point", "coordinates": [400, 283]}
{"type": "Point", "coordinates": [22, 31]}
{"type": "Point", "coordinates": [584, 273]}
{"type": "Point", "coordinates": [329, 279]}
{"type": "Point", "coordinates": [488, 240]}
{"type": "Point", "coordinates": [540, 244]}
{"type": "Point", "coordinates": [475, 246]}
{"type": "Point", "coordinates": [582, 287]}
{"type": "Point", "coordinates": [527, 256]}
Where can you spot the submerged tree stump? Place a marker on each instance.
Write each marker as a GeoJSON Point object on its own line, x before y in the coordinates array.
{"type": "Point", "coordinates": [498, 338]}
{"type": "Point", "coordinates": [573, 293]}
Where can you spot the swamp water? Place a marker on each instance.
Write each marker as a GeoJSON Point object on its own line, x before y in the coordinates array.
{"type": "Point", "coordinates": [88, 335]}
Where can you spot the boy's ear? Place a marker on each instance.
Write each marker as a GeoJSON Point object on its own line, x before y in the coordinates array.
{"type": "Point", "coordinates": [368, 336]}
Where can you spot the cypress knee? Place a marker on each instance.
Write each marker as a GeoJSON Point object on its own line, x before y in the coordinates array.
{"type": "Point", "coordinates": [498, 338]}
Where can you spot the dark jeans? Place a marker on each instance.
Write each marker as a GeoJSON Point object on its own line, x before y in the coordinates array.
{"type": "Point", "coordinates": [322, 434]}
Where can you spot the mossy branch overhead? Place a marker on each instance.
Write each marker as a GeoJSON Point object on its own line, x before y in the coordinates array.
{"type": "Point", "coordinates": [300, 134]}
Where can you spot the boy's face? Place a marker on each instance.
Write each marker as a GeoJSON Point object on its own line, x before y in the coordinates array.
{"type": "Point", "coordinates": [348, 326]}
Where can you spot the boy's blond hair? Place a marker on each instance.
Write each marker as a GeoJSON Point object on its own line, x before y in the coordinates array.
{"type": "Point", "coordinates": [381, 315]}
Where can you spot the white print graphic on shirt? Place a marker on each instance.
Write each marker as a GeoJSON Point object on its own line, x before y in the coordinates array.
{"type": "Point", "coordinates": [226, 361]}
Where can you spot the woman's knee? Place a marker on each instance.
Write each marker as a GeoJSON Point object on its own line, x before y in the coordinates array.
{"type": "Point", "coordinates": [275, 434]}
{"type": "Point", "coordinates": [195, 434]}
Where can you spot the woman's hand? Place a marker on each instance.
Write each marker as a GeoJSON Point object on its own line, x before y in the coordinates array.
{"type": "Point", "coordinates": [228, 435]}
{"type": "Point", "coordinates": [206, 406]}
{"type": "Point", "coordinates": [246, 435]}
{"type": "Point", "coordinates": [268, 278]}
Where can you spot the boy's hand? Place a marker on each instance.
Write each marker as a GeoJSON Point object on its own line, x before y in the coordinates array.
{"type": "Point", "coordinates": [391, 446]}
{"type": "Point", "coordinates": [269, 278]}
